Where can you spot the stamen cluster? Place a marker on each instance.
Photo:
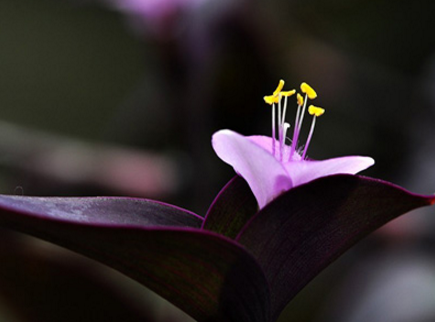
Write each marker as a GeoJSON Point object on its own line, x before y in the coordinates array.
{"type": "Point", "coordinates": [280, 150]}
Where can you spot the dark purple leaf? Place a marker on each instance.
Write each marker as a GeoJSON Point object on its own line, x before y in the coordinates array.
{"type": "Point", "coordinates": [232, 208]}
{"type": "Point", "coordinates": [208, 276]}
{"type": "Point", "coordinates": [103, 210]}
{"type": "Point", "coordinates": [305, 229]}
{"type": "Point", "coordinates": [41, 285]}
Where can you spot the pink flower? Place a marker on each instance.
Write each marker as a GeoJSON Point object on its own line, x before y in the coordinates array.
{"type": "Point", "coordinates": [268, 164]}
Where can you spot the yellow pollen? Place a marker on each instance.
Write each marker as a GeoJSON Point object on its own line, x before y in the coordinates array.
{"type": "Point", "coordinates": [271, 99]}
{"type": "Point", "coordinates": [277, 94]}
{"type": "Point", "coordinates": [279, 87]}
{"type": "Point", "coordinates": [316, 111]}
{"type": "Point", "coordinates": [288, 93]}
{"type": "Point", "coordinates": [307, 89]}
{"type": "Point", "coordinates": [300, 99]}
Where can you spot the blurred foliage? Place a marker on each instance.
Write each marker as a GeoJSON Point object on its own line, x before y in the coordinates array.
{"type": "Point", "coordinates": [64, 68]}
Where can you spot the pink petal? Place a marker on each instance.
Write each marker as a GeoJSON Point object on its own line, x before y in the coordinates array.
{"type": "Point", "coordinates": [265, 175]}
{"type": "Point", "coordinates": [266, 143]}
{"type": "Point", "coordinates": [304, 171]}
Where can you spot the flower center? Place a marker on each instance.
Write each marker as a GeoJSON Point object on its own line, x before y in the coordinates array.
{"type": "Point", "coordinates": [280, 149]}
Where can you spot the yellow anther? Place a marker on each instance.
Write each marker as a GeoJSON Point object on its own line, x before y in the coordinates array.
{"type": "Point", "coordinates": [279, 88]}
{"type": "Point", "coordinates": [271, 99]}
{"type": "Point", "coordinates": [314, 110]}
{"type": "Point", "coordinates": [288, 93]}
{"type": "Point", "coordinates": [307, 89]}
{"type": "Point", "coordinates": [300, 99]}
{"type": "Point", "coordinates": [277, 94]}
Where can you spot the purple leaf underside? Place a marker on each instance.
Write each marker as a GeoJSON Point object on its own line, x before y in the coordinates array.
{"type": "Point", "coordinates": [297, 235]}
{"type": "Point", "coordinates": [208, 276]}
{"type": "Point", "coordinates": [232, 208]}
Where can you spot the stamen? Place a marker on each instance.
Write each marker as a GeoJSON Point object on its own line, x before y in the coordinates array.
{"type": "Point", "coordinates": [316, 112]}
{"type": "Point", "coordinates": [284, 111]}
{"type": "Point", "coordinates": [301, 119]}
{"type": "Point", "coordinates": [273, 99]}
{"type": "Point", "coordinates": [280, 128]}
{"type": "Point", "coordinates": [279, 88]}
{"type": "Point", "coordinates": [280, 134]}
{"type": "Point", "coordinates": [286, 95]}
{"type": "Point", "coordinates": [281, 120]}
{"type": "Point", "coordinates": [298, 125]}
{"type": "Point", "coordinates": [270, 99]}
{"type": "Point", "coordinates": [300, 99]}
{"type": "Point", "coordinates": [285, 129]}
{"type": "Point", "coordinates": [311, 94]}
{"type": "Point", "coordinates": [307, 89]}
{"type": "Point", "coordinates": [273, 129]}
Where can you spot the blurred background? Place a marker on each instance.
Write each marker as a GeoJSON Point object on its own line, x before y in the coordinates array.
{"type": "Point", "coordinates": [121, 97]}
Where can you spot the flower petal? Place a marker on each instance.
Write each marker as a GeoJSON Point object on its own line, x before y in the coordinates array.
{"type": "Point", "coordinates": [266, 143]}
{"type": "Point", "coordinates": [304, 171]}
{"type": "Point", "coordinates": [265, 175]}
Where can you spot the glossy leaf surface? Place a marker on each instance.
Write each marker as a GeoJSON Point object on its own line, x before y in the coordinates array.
{"type": "Point", "coordinates": [305, 229]}
{"type": "Point", "coordinates": [208, 276]}
{"type": "Point", "coordinates": [103, 210]}
{"type": "Point", "coordinates": [232, 208]}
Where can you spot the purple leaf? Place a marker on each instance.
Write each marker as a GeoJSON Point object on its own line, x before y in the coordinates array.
{"type": "Point", "coordinates": [208, 276]}
{"type": "Point", "coordinates": [231, 209]}
{"type": "Point", "coordinates": [305, 229]}
{"type": "Point", "coordinates": [103, 210]}
{"type": "Point", "coordinates": [39, 286]}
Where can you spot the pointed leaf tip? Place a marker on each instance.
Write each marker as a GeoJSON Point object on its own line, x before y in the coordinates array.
{"type": "Point", "coordinates": [233, 207]}
{"type": "Point", "coordinates": [301, 232]}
